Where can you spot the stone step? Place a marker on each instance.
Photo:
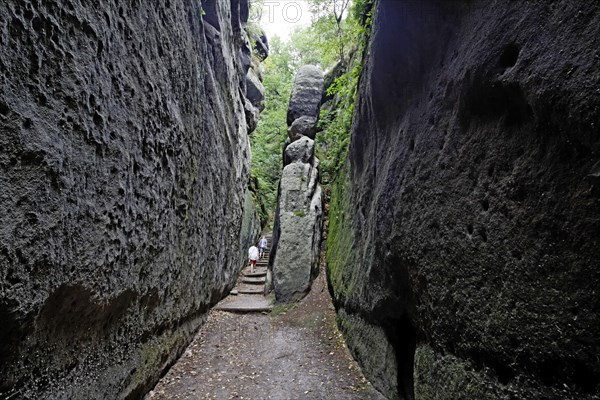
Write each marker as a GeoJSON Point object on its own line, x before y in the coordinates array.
{"type": "Point", "coordinates": [251, 289]}
{"type": "Point", "coordinates": [244, 303]}
{"type": "Point", "coordinates": [261, 268]}
{"type": "Point", "coordinates": [255, 274]}
{"type": "Point", "coordinates": [254, 281]}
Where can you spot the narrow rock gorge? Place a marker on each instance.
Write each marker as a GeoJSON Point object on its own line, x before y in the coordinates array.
{"type": "Point", "coordinates": [463, 228]}
{"type": "Point", "coordinates": [124, 160]}
{"type": "Point", "coordinates": [464, 237]}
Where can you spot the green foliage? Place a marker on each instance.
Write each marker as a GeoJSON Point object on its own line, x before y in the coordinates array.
{"type": "Point", "coordinates": [336, 120]}
{"type": "Point", "coordinates": [336, 117]}
{"type": "Point", "coordinates": [339, 239]}
{"type": "Point", "coordinates": [271, 132]}
{"type": "Point", "coordinates": [253, 30]}
{"type": "Point", "coordinates": [337, 36]}
{"type": "Point", "coordinates": [299, 213]}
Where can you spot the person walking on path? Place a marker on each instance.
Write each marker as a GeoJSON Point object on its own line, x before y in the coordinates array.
{"type": "Point", "coordinates": [262, 245]}
{"type": "Point", "coordinates": [252, 257]}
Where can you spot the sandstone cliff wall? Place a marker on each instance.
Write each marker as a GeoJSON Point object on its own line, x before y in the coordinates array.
{"type": "Point", "coordinates": [471, 202]}
{"type": "Point", "coordinates": [123, 169]}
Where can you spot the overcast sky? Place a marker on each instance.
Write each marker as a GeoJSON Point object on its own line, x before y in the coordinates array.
{"type": "Point", "coordinates": [280, 17]}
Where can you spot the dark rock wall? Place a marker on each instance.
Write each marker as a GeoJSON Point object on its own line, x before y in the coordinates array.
{"type": "Point", "coordinates": [472, 202]}
{"type": "Point", "coordinates": [123, 169]}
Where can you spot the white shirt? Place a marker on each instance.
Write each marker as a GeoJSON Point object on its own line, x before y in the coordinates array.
{"type": "Point", "coordinates": [263, 243]}
{"type": "Point", "coordinates": [253, 253]}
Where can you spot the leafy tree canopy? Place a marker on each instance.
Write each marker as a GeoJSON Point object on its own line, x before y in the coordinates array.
{"type": "Point", "coordinates": [336, 36]}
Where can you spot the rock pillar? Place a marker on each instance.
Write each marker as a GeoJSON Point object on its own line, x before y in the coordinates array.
{"type": "Point", "coordinates": [295, 254]}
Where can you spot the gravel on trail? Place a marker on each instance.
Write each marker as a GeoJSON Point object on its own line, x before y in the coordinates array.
{"type": "Point", "coordinates": [292, 354]}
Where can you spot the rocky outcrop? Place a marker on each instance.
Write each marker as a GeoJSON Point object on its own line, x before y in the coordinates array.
{"type": "Point", "coordinates": [307, 92]}
{"type": "Point", "coordinates": [261, 45]}
{"type": "Point", "coordinates": [462, 250]}
{"type": "Point", "coordinates": [123, 171]}
{"type": "Point", "coordinates": [254, 89]}
{"type": "Point", "coordinates": [297, 230]}
{"type": "Point", "coordinates": [303, 126]}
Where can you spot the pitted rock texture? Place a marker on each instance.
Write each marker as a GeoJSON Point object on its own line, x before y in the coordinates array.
{"type": "Point", "coordinates": [306, 94]}
{"type": "Point", "coordinates": [467, 226]}
{"type": "Point", "coordinates": [123, 159]}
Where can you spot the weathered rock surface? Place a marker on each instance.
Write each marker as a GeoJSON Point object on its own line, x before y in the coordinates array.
{"type": "Point", "coordinates": [297, 230]}
{"type": "Point", "coordinates": [255, 91]}
{"type": "Point", "coordinates": [123, 169]}
{"type": "Point", "coordinates": [463, 243]}
{"type": "Point", "coordinates": [306, 94]}
{"type": "Point", "coordinates": [261, 45]}
{"type": "Point", "coordinates": [303, 126]}
{"type": "Point", "coordinates": [302, 150]}
{"type": "Point", "coordinates": [252, 114]}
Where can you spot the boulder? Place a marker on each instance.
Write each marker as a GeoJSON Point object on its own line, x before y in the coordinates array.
{"type": "Point", "coordinates": [255, 91]}
{"type": "Point", "coordinates": [299, 231]}
{"type": "Point", "coordinates": [252, 114]}
{"type": "Point", "coordinates": [301, 150]}
{"type": "Point", "coordinates": [306, 94]}
{"type": "Point", "coordinates": [303, 126]}
{"type": "Point", "coordinates": [261, 45]}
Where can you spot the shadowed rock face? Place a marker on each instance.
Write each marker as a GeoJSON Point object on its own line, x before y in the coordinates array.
{"type": "Point", "coordinates": [123, 168]}
{"type": "Point", "coordinates": [472, 202]}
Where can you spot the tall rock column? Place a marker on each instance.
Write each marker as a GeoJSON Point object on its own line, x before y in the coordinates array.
{"type": "Point", "coordinates": [296, 237]}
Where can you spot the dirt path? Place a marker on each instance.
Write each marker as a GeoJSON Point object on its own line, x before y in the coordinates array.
{"type": "Point", "coordinates": [298, 354]}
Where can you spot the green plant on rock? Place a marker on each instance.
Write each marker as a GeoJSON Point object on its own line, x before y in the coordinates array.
{"type": "Point", "coordinates": [337, 36]}
{"type": "Point", "coordinates": [299, 213]}
{"type": "Point", "coordinates": [339, 239]}
{"type": "Point", "coordinates": [271, 132]}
